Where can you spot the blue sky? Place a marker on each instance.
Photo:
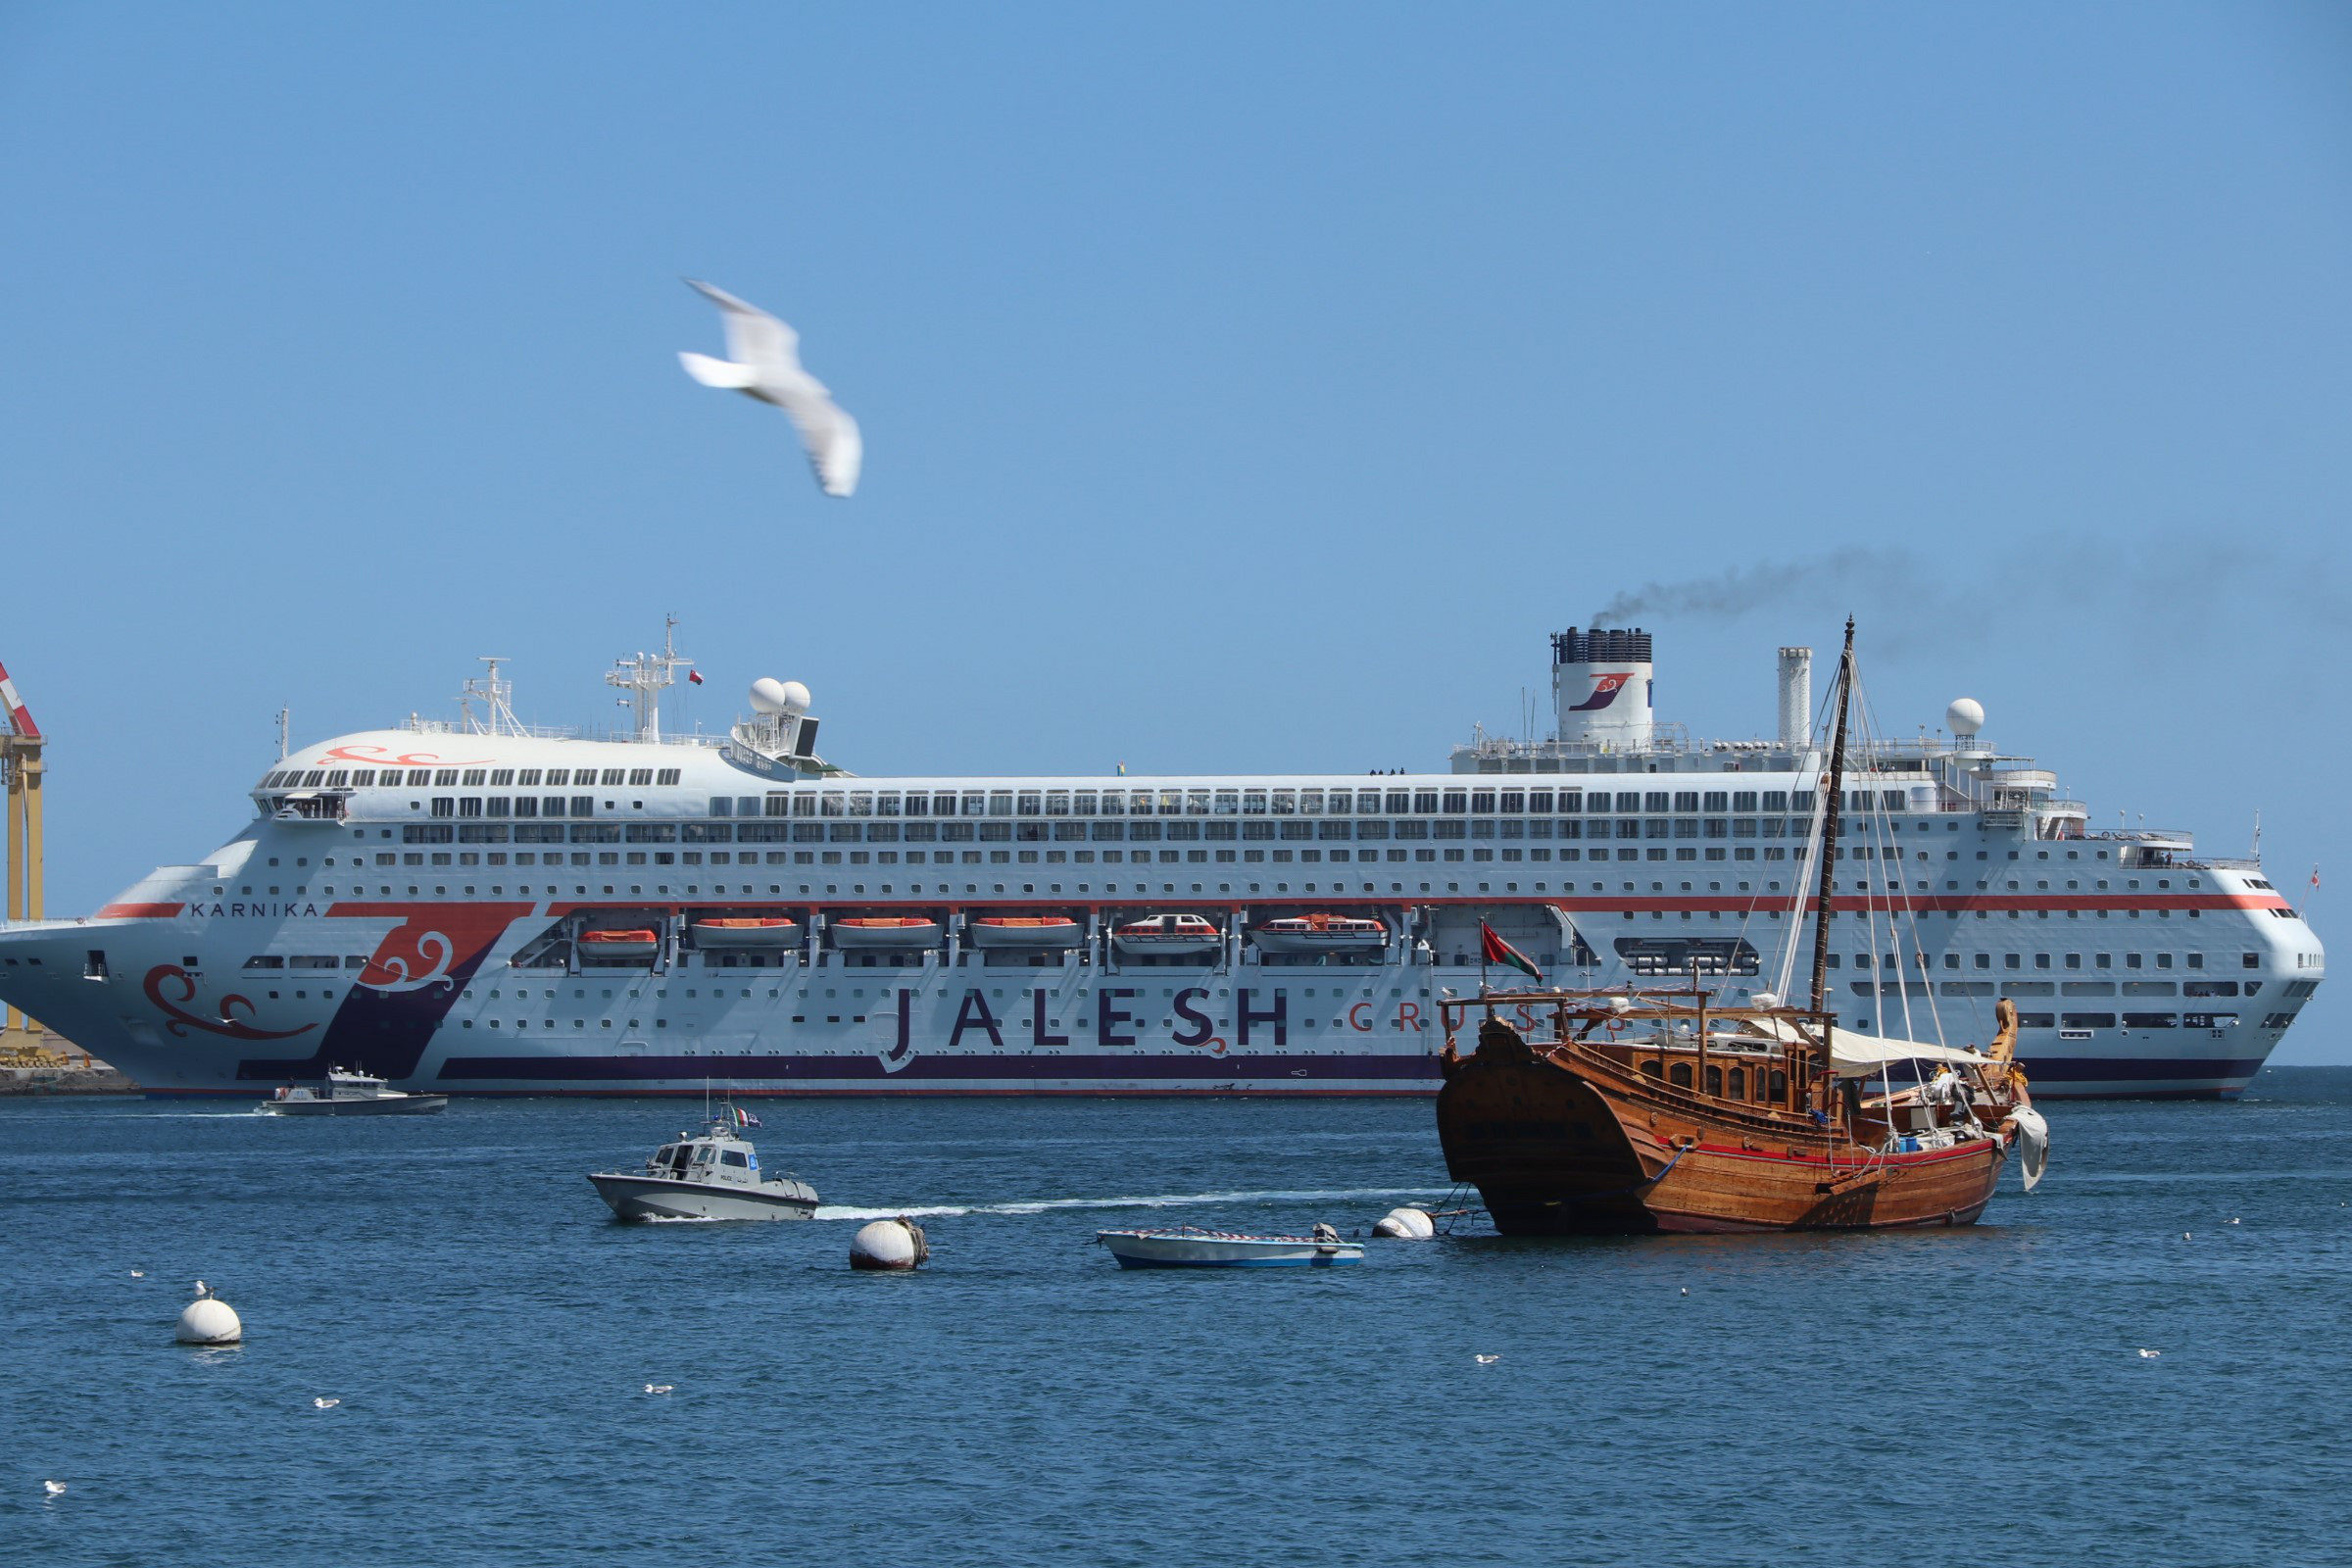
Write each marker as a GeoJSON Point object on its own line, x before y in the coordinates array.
{"type": "Point", "coordinates": [1245, 387]}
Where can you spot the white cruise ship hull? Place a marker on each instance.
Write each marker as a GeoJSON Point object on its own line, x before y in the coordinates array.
{"type": "Point", "coordinates": [412, 903]}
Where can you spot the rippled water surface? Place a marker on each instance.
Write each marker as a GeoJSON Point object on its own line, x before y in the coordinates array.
{"type": "Point", "coordinates": [1978, 1395]}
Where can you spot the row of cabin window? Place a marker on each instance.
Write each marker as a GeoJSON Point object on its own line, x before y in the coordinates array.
{"type": "Point", "coordinates": [2041, 960]}
{"type": "Point", "coordinates": [1065, 832]}
{"type": "Point", "coordinates": [336, 778]}
{"type": "Point", "coordinates": [1269, 802]}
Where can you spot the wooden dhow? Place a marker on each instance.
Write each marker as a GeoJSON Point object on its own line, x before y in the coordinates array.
{"type": "Point", "coordinates": [1648, 1112]}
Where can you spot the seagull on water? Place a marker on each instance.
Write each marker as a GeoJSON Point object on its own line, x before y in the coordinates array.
{"type": "Point", "coordinates": [2149, 1355]}
{"type": "Point", "coordinates": [660, 1388]}
{"type": "Point", "coordinates": [55, 1489]}
{"type": "Point", "coordinates": [1488, 1361]}
{"type": "Point", "coordinates": [765, 363]}
{"type": "Point", "coordinates": [326, 1405]}
{"type": "Point", "coordinates": [138, 1273]}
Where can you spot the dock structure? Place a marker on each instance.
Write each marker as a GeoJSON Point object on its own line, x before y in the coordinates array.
{"type": "Point", "coordinates": [20, 743]}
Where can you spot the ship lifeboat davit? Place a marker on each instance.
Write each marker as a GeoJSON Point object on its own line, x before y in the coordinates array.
{"type": "Point", "coordinates": [630, 944]}
{"type": "Point", "coordinates": [764, 935]}
{"type": "Point", "coordinates": [878, 932]}
{"type": "Point", "coordinates": [1321, 933]}
{"type": "Point", "coordinates": [1160, 936]}
{"type": "Point", "coordinates": [1028, 932]}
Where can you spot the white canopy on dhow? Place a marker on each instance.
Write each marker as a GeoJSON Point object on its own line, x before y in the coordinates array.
{"type": "Point", "coordinates": [1853, 1056]}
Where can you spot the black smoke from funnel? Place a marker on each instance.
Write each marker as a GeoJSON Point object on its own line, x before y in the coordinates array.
{"type": "Point", "coordinates": [1741, 589]}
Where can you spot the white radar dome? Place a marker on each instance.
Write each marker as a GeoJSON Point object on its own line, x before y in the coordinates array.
{"type": "Point", "coordinates": [787, 698]}
{"type": "Point", "coordinates": [1966, 716]}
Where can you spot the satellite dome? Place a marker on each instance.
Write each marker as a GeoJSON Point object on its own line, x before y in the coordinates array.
{"type": "Point", "coordinates": [1965, 717]}
{"type": "Point", "coordinates": [788, 698]}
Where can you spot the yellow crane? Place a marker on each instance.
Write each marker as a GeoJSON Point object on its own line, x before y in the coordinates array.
{"type": "Point", "coordinates": [20, 742]}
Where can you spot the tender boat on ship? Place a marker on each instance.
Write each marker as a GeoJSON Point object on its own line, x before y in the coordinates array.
{"type": "Point", "coordinates": [1169, 936]}
{"type": "Point", "coordinates": [1320, 933]}
{"type": "Point", "coordinates": [1190, 1246]}
{"type": "Point", "coordinates": [1031, 933]}
{"type": "Point", "coordinates": [752, 935]}
{"type": "Point", "coordinates": [714, 1174]}
{"type": "Point", "coordinates": [889, 933]}
{"type": "Point", "coordinates": [634, 946]}
{"type": "Point", "coordinates": [344, 1091]}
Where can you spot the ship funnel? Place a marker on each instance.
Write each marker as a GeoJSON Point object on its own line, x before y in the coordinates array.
{"type": "Point", "coordinates": [1797, 697]}
{"type": "Point", "coordinates": [1600, 685]}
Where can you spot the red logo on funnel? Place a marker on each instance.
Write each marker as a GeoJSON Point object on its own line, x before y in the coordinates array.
{"type": "Point", "coordinates": [1604, 692]}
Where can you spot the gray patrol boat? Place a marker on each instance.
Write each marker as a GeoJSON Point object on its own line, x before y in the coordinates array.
{"type": "Point", "coordinates": [714, 1174]}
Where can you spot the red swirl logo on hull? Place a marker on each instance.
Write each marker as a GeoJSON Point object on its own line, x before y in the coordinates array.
{"type": "Point", "coordinates": [181, 1020]}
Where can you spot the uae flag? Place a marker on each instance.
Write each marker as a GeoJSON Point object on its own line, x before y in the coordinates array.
{"type": "Point", "coordinates": [1492, 949]}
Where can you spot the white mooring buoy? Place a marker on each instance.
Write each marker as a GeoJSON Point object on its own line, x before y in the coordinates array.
{"type": "Point", "coordinates": [1406, 1225]}
{"type": "Point", "coordinates": [209, 1321]}
{"type": "Point", "coordinates": [889, 1244]}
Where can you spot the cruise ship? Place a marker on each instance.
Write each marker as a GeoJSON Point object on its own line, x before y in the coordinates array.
{"type": "Point", "coordinates": [479, 906]}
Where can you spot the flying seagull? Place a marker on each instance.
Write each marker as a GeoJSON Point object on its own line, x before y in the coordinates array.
{"type": "Point", "coordinates": [765, 363]}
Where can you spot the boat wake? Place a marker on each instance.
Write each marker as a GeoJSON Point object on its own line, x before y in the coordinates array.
{"type": "Point", "coordinates": [1043, 1205]}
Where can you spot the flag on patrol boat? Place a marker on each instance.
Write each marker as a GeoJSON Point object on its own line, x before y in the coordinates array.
{"type": "Point", "coordinates": [694, 677]}
{"type": "Point", "coordinates": [1492, 949]}
{"type": "Point", "coordinates": [743, 1117]}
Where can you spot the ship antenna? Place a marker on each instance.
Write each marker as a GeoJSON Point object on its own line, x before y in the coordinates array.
{"type": "Point", "coordinates": [1832, 805]}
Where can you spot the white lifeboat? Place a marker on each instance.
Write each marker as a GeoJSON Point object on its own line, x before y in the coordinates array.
{"type": "Point", "coordinates": [867, 933]}
{"type": "Point", "coordinates": [1032, 933]}
{"type": "Point", "coordinates": [1168, 936]}
{"type": "Point", "coordinates": [1321, 933]}
{"type": "Point", "coordinates": [764, 935]}
{"type": "Point", "coordinates": [628, 944]}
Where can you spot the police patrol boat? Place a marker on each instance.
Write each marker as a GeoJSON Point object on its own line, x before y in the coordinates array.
{"type": "Point", "coordinates": [481, 907]}
{"type": "Point", "coordinates": [714, 1174]}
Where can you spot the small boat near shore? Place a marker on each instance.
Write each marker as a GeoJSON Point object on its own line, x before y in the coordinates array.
{"type": "Point", "coordinates": [1190, 1246]}
{"type": "Point", "coordinates": [344, 1091]}
{"type": "Point", "coordinates": [714, 1174]}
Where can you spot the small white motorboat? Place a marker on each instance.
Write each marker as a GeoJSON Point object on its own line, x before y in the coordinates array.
{"type": "Point", "coordinates": [1189, 1246]}
{"type": "Point", "coordinates": [1168, 936]}
{"type": "Point", "coordinates": [1321, 933]}
{"type": "Point", "coordinates": [751, 935]}
{"type": "Point", "coordinates": [708, 1175]}
{"type": "Point", "coordinates": [346, 1093]}
{"type": "Point", "coordinates": [1026, 933]}
{"type": "Point", "coordinates": [899, 932]}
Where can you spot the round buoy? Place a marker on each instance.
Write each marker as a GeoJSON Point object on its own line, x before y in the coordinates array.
{"type": "Point", "coordinates": [889, 1244]}
{"type": "Point", "coordinates": [1406, 1225]}
{"type": "Point", "coordinates": [209, 1321]}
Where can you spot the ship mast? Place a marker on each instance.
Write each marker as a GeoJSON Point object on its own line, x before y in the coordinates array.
{"type": "Point", "coordinates": [1832, 805]}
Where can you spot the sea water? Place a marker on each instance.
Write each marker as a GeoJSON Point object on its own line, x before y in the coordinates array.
{"type": "Point", "coordinates": [1981, 1396]}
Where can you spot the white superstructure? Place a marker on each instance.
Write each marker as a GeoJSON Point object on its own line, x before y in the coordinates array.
{"type": "Point", "coordinates": [483, 907]}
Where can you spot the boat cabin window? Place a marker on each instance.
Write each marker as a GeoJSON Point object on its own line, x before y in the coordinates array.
{"type": "Point", "coordinates": [861, 802]}
{"type": "Point", "coordinates": [1739, 1083]}
{"type": "Point", "coordinates": [1057, 803]}
{"type": "Point", "coordinates": [554, 776]}
{"type": "Point", "coordinates": [1779, 1085]}
{"type": "Point", "coordinates": [1311, 803]}
{"type": "Point", "coordinates": [918, 803]}
{"type": "Point", "coordinates": [1679, 1076]}
{"type": "Point", "coordinates": [1196, 802]}
{"type": "Point", "coordinates": [1000, 803]}
{"type": "Point", "coordinates": [1286, 802]}
{"type": "Point", "coordinates": [1081, 803]}
{"type": "Point", "coordinates": [1115, 803]}
{"type": "Point", "coordinates": [975, 804]}
{"type": "Point", "coordinates": [1228, 803]}
{"type": "Point", "coordinates": [1254, 802]}
{"type": "Point", "coordinates": [732, 1157]}
{"type": "Point", "coordinates": [1714, 1080]}
{"type": "Point", "coordinates": [886, 804]}
{"type": "Point", "coordinates": [1425, 800]}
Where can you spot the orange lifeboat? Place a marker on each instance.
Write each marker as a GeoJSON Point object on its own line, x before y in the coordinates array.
{"type": "Point", "coordinates": [1321, 933]}
{"type": "Point", "coordinates": [629, 944]}
{"type": "Point", "coordinates": [1164, 936]}
{"type": "Point", "coordinates": [764, 935]}
{"type": "Point", "coordinates": [868, 933]}
{"type": "Point", "coordinates": [1031, 933]}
